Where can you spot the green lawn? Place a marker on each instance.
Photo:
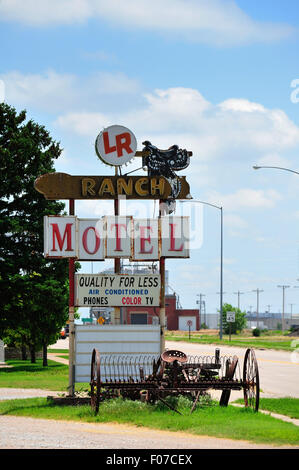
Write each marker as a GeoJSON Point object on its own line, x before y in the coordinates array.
{"type": "Point", "coordinates": [267, 341]}
{"type": "Point", "coordinates": [231, 422]}
{"type": "Point", "coordinates": [23, 374]}
{"type": "Point", "coordinates": [284, 406]}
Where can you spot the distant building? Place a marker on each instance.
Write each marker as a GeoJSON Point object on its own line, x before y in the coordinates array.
{"type": "Point", "coordinates": [176, 318]}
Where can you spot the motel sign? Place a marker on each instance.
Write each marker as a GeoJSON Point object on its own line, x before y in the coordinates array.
{"type": "Point", "coordinates": [116, 237]}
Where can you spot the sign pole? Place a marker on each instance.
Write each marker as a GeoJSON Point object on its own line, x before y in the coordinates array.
{"type": "Point", "coordinates": [71, 314]}
{"type": "Point", "coordinates": [162, 292]}
{"type": "Point", "coordinates": [117, 260]}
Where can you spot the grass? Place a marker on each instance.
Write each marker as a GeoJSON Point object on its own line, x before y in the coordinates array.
{"type": "Point", "coordinates": [23, 374]}
{"type": "Point", "coordinates": [270, 340]}
{"type": "Point", "coordinates": [285, 406]}
{"type": "Point", "coordinates": [213, 420]}
{"type": "Point", "coordinates": [58, 351]}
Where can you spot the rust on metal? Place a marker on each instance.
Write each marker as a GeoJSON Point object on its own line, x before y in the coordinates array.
{"type": "Point", "coordinates": [172, 373]}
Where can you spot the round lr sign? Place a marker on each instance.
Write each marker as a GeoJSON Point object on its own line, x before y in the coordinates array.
{"type": "Point", "coordinates": [116, 145]}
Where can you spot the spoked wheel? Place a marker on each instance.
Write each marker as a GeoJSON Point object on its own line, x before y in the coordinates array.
{"type": "Point", "coordinates": [95, 381]}
{"type": "Point", "coordinates": [251, 381]}
{"type": "Point", "coordinates": [230, 372]}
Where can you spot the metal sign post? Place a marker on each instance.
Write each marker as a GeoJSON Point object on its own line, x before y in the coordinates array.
{"type": "Point", "coordinates": [230, 318]}
{"type": "Point", "coordinates": [162, 291]}
{"type": "Point", "coordinates": [71, 314]}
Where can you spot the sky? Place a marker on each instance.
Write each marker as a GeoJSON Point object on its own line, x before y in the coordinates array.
{"type": "Point", "coordinates": [217, 77]}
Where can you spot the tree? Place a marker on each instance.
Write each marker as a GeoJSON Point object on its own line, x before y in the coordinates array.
{"type": "Point", "coordinates": [240, 321]}
{"type": "Point", "coordinates": [28, 281]}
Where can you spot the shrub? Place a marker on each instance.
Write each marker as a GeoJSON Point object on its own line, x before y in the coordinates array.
{"type": "Point", "coordinates": [256, 332]}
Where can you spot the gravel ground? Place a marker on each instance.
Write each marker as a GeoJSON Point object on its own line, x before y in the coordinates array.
{"type": "Point", "coordinates": [28, 433]}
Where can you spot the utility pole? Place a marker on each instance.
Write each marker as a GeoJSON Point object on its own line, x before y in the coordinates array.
{"type": "Point", "coordinates": [283, 298]}
{"type": "Point", "coordinates": [238, 294]}
{"type": "Point", "coordinates": [200, 304]}
{"type": "Point", "coordinates": [291, 305]}
{"type": "Point", "coordinates": [257, 305]}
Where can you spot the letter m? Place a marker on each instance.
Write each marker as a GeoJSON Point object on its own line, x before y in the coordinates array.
{"type": "Point", "coordinates": [60, 238]}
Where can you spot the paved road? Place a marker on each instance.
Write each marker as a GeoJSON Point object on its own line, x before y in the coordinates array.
{"type": "Point", "coordinates": [279, 376]}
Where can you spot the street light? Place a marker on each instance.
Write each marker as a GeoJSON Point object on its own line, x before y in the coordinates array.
{"type": "Point", "coordinates": [221, 258]}
{"type": "Point", "coordinates": [256, 167]}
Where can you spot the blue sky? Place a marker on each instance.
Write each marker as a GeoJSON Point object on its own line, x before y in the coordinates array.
{"type": "Point", "coordinates": [211, 76]}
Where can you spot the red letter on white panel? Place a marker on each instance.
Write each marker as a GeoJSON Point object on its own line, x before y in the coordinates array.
{"type": "Point", "coordinates": [175, 237]}
{"type": "Point", "coordinates": [118, 236]}
{"type": "Point", "coordinates": [59, 237]}
{"type": "Point", "coordinates": [91, 239]}
{"type": "Point", "coordinates": [146, 244]}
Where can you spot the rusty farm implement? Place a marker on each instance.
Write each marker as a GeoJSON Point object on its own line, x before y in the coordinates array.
{"type": "Point", "coordinates": [173, 373]}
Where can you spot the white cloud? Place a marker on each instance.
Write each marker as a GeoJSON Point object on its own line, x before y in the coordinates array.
{"type": "Point", "coordinates": [246, 198]}
{"type": "Point", "coordinates": [84, 124]}
{"type": "Point", "coordinates": [273, 159]}
{"type": "Point", "coordinates": [241, 105]}
{"type": "Point", "coordinates": [219, 22]}
{"type": "Point", "coordinates": [54, 92]}
{"type": "Point", "coordinates": [211, 131]}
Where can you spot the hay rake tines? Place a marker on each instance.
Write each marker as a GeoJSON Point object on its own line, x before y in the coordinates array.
{"type": "Point", "coordinates": [173, 373]}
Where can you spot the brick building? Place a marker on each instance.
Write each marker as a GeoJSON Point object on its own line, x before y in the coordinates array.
{"type": "Point", "coordinates": [176, 318]}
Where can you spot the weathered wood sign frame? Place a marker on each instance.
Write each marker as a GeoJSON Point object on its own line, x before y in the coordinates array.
{"type": "Point", "coordinates": [63, 186]}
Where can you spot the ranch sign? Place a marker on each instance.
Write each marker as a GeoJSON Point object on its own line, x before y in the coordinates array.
{"type": "Point", "coordinates": [63, 186]}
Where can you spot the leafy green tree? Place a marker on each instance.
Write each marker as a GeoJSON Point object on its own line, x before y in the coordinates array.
{"type": "Point", "coordinates": [240, 321]}
{"type": "Point", "coordinates": [33, 289]}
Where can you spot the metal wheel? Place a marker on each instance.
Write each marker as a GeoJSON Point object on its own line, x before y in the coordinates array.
{"type": "Point", "coordinates": [230, 372]}
{"type": "Point", "coordinates": [95, 381]}
{"type": "Point", "coordinates": [251, 382]}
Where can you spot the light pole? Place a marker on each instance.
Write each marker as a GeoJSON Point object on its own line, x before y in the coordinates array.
{"type": "Point", "coordinates": [221, 258]}
{"type": "Point", "coordinates": [257, 167]}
